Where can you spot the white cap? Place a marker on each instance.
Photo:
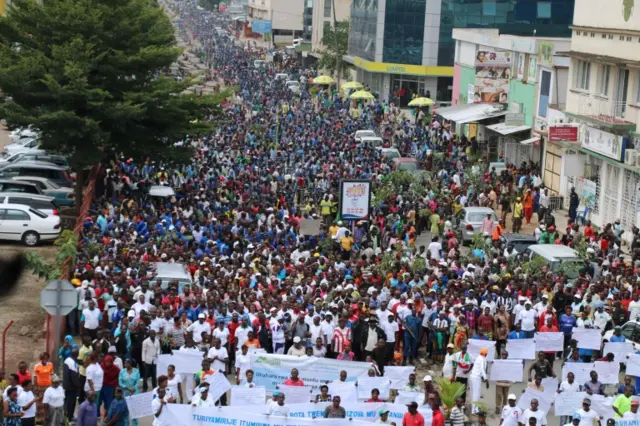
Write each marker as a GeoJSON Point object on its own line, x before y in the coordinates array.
{"type": "Point", "coordinates": [339, 288]}
{"type": "Point", "coordinates": [427, 378]}
{"type": "Point", "coordinates": [131, 313]}
{"type": "Point", "coordinates": [296, 339]}
{"type": "Point", "coordinates": [201, 316]}
{"type": "Point", "coordinates": [511, 396]}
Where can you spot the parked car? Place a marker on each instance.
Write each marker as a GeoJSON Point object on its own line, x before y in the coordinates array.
{"type": "Point", "coordinates": [5, 157]}
{"type": "Point", "coordinates": [44, 203]}
{"type": "Point", "coordinates": [364, 133]}
{"type": "Point", "coordinates": [29, 146]}
{"type": "Point", "coordinates": [469, 220]}
{"type": "Point", "coordinates": [630, 330]}
{"type": "Point", "coordinates": [281, 76]}
{"type": "Point", "coordinates": [390, 153]}
{"type": "Point", "coordinates": [50, 171]}
{"type": "Point", "coordinates": [519, 241]}
{"type": "Point", "coordinates": [58, 160]}
{"type": "Point", "coordinates": [9, 185]}
{"type": "Point", "coordinates": [407, 164]}
{"type": "Point", "coordinates": [23, 134]}
{"type": "Point", "coordinates": [19, 222]}
{"type": "Point", "coordinates": [293, 85]}
{"type": "Point", "coordinates": [63, 195]}
{"type": "Point", "coordinates": [558, 258]}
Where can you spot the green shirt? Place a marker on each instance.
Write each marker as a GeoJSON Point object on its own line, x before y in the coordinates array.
{"type": "Point", "coordinates": [623, 404]}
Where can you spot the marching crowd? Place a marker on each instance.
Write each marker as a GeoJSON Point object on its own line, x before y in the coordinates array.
{"type": "Point", "coordinates": [354, 291]}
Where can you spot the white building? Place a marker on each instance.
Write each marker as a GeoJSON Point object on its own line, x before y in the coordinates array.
{"type": "Point", "coordinates": [323, 15]}
{"type": "Point", "coordinates": [285, 17]}
{"type": "Point", "coordinates": [599, 155]}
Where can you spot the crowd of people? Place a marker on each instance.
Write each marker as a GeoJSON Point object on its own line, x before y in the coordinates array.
{"type": "Point", "coordinates": [355, 291]}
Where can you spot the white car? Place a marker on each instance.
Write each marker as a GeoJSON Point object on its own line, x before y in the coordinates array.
{"type": "Point", "coordinates": [15, 148]}
{"type": "Point", "coordinates": [43, 203]}
{"type": "Point", "coordinates": [364, 133]}
{"type": "Point", "coordinates": [293, 85]}
{"type": "Point", "coordinates": [631, 332]}
{"type": "Point", "coordinates": [281, 76]}
{"type": "Point", "coordinates": [23, 134]}
{"type": "Point", "coordinates": [390, 153]}
{"type": "Point", "coordinates": [23, 223]}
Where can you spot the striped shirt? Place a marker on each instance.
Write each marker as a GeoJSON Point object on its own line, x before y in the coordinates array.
{"type": "Point", "coordinates": [457, 416]}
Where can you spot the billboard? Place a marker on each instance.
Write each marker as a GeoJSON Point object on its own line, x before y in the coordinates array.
{"type": "Point", "coordinates": [260, 26]}
{"type": "Point", "coordinates": [563, 134]}
{"type": "Point", "coordinates": [493, 72]}
{"type": "Point", "coordinates": [355, 199]}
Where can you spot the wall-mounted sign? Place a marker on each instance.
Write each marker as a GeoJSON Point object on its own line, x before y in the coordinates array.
{"type": "Point", "coordinates": [563, 134]}
{"type": "Point", "coordinates": [493, 72]}
{"type": "Point", "coordinates": [604, 143]}
{"type": "Point", "coordinates": [355, 199]}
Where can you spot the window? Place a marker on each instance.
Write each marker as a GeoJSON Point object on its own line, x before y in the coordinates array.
{"type": "Point", "coordinates": [603, 77]}
{"type": "Point", "coordinates": [604, 36]}
{"type": "Point", "coordinates": [544, 9]}
{"type": "Point", "coordinates": [489, 7]}
{"type": "Point", "coordinates": [610, 36]}
{"type": "Point", "coordinates": [583, 74]}
{"type": "Point", "coordinates": [11, 214]}
{"type": "Point", "coordinates": [577, 32]}
{"type": "Point", "coordinates": [327, 8]}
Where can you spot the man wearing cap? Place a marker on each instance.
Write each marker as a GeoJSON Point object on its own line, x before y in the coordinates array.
{"type": "Point", "coordinates": [412, 417]}
{"type": "Point", "coordinates": [527, 320]}
{"type": "Point", "coordinates": [575, 420]}
{"type": "Point", "coordinates": [384, 418]}
{"type": "Point", "coordinates": [511, 413]}
{"type": "Point", "coordinates": [588, 417]}
{"type": "Point", "coordinates": [633, 413]}
{"type": "Point", "coordinates": [297, 349]}
{"type": "Point", "coordinates": [197, 328]}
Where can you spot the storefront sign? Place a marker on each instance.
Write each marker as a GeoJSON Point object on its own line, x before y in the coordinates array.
{"type": "Point", "coordinates": [604, 143]}
{"type": "Point", "coordinates": [563, 134]}
{"type": "Point", "coordinates": [493, 72]}
{"type": "Point", "coordinates": [355, 199]}
{"type": "Point", "coordinates": [403, 69]}
{"type": "Point", "coordinates": [259, 26]}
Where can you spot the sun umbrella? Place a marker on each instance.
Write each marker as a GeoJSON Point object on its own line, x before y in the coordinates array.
{"type": "Point", "coordinates": [323, 79]}
{"type": "Point", "coordinates": [421, 102]}
{"type": "Point", "coordinates": [361, 94]}
{"type": "Point", "coordinates": [352, 85]}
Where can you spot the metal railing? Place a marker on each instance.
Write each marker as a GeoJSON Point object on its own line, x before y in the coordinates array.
{"type": "Point", "coordinates": [602, 109]}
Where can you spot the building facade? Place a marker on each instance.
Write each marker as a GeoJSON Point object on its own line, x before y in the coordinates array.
{"type": "Point", "coordinates": [408, 44]}
{"type": "Point", "coordinates": [324, 12]}
{"type": "Point", "coordinates": [286, 17]}
{"type": "Point", "coordinates": [595, 144]}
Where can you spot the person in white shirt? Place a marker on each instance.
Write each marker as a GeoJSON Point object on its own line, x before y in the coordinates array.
{"type": "Point", "coordinates": [94, 374]}
{"type": "Point", "coordinates": [219, 356]}
{"type": "Point", "coordinates": [588, 417]}
{"type": "Point", "coordinates": [53, 398]}
{"type": "Point", "coordinates": [383, 313]}
{"type": "Point", "coordinates": [315, 329]}
{"type": "Point", "coordinates": [27, 401]}
{"type": "Point", "coordinates": [279, 409]}
{"type": "Point", "coordinates": [633, 414]}
{"type": "Point", "coordinates": [141, 305]}
{"type": "Point", "coordinates": [527, 320]}
{"type": "Point", "coordinates": [477, 377]}
{"type": "Point", "coordinates": [160, 416]}
{"type": "Point", "coordinates": [174, 385]}
{"type": "Point", "coordinates": [243, 363]}
{"type": "Point", "coordinates": [242, 333]}
{"type": "Point", "coordinates": [390, 327]}
{"type": "Point", "coordinates": [222, 333]}
{"type": "Point", "coordinates": [13, 383]}
{"type": "Point", "coordinates": [150, 350]}
{"type": "Point", "coordinates": [197, 328]}
{"type": "Point", "coordinates": [534, 411]}
{"type": "Point", "coordinates": [90, 320]}
{"type": "Point", "coordinates": [435, 248]}
{"type": "Point", "coordinates": [277, 335]}
{"type": "Point", "coordinates": [511, 413]}
{"type": "Point", "coordinates": [202, 399]}
{"type": "Point", "coordinates": [634, 308]}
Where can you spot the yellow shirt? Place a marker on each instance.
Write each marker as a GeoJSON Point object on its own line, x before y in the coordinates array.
{"type": "Point", "coordinates": [346, 243]}
{"type": "Point", "coordinates": [333, 230]}
{"type": "Point", "coordinates": [83, 356]}
{"type": "Point", "coordinates": [326, 207]}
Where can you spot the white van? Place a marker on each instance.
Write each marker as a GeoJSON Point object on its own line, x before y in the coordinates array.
{"type": "Point", "coordinates": [364, 133]}
{"type": "Point", "coordinates": [558, 257]}
{"type": "Point", "coordinates": [169, 272]}
{"type": "Point", "coordinates": [259, 63]}
{"type": "Point", "coordinates": [371, 141]}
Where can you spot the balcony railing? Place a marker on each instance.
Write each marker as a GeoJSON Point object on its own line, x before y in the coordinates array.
{"type": "Point", "coordinates": [602, 109]}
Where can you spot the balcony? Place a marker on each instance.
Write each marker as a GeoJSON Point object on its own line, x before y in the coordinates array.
{"type": "Point", "coordinates": [599, 110]}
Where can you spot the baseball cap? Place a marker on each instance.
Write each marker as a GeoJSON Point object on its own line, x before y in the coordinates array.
{"type": "Point", "coordinates": [512, 396]}
{"type": "Point", "coordinates": [427, 378]}
{"type": "Point", "coordinates": [131, 313]}
{"type": "Point", "coordinates": [296, 339]}
{"type": "Point", "coordinates": [382, 411]}
{"type": "Point", "coordinates": [412, 404]}
{"type": "Point", "coordinates": [203, 316]}
{"type": "Point", "coordinates": [577, 416]}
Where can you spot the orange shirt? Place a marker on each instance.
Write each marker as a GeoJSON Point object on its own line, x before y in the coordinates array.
{"type": "Point", "coordinates": [410, 420]}
{"type": "Point", "coordinates": [253, 344]}
{"type": "Point", "coordinates": [528, 200]}
{"type": "Point", "coordinates": [43, 373]}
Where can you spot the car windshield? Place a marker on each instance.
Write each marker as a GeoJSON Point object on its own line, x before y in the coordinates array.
{"type": "Point", "coordinates": [479, 217]}
{"type": "Point", "coordinates": [408, 166]}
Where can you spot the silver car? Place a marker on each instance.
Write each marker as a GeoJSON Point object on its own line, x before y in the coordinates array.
{"type": "Point", "coordinates": [469, 221]}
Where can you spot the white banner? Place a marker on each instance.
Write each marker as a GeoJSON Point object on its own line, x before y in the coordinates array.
{"type": "Point", "coordinates": [241, 395]}
{"type": "Point", "coordinates": [218, 385]}
{"type": "Point", "coordinates": [549, 341]}
{"type": "Point", "coordinates": [603, 406]}
{"type": "Point", "coordinates": [567, 403]}
{"type": "Point", "coordinates": [367, 384]}
{"type": "Point", "coordinates": [474, 346]}
{"type": "Point", "coordinates": [296, 394]}
{"type": "Point", "coordinates": [608, 372]}
{"type": "Point", "coordinates": [399, 376]}
{"type": "Point", "coordinates": [544, 403]}
{"type": "Point", "coordinates": [633, 365]}
{"type": "Point", "coordinates": [521, 349]}
{"type": "Point", "coordinates": [581, 371]}
{"type": "Point", "coordinates": [620, 350]}
{"type": "Point", "coordinates": [405, 397]}
{"type": "Point", "coordinates": [507, 369]}
{"type": "Point", "coordinates": [139, 405]}
{"type": "Point", "coordinates": [588, 338]}
{"type": "Point", "coordinates": [272, 370]}
{"type": "Point", "coordinates": [185, 362]}
{"type": "Point", "coordinates": [348, 392]}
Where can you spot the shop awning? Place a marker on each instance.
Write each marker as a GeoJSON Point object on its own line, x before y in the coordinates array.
{"type": "Point", "coordinates": [504, 129]}
{"type": "Point", "coordinates": [469, 113]}
{"type": "Point", "coordinates": [530, 140]}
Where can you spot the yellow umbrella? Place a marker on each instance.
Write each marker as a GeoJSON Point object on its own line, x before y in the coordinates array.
{"type": "Point", "coordinates": [421, 102]}
{"type": "Point", "coordinates": [323, 79]}
{"type": "Point", "coordinates": [361, 94]}
{"type": "Point", "coordinates": [352, 85]}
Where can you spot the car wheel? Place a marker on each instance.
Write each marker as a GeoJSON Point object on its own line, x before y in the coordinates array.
{"type": "Point", "coordinates": [31, 238]}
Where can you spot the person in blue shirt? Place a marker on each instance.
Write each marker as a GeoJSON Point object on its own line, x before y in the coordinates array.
{"type": "Point", "coordinates": [516, 334]}
{"type": "Point", "coordinates": [412, 325]}
{"type": "Point", "coordinates": [617, 335]}
{"type": "Point", "coordinates": [566, 324]}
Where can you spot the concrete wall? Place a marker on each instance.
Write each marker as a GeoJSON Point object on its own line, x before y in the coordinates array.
{"type": "Point", "coordinates": [467, 77]}
{"type": "Point", "coordinates": [619, 14]}
{"type": "Point", "coordinates": [287, 14]}
{"type": "Point", "coordinates": [343, 12]}
{"type": "Point", "coordinates": [525, 95]}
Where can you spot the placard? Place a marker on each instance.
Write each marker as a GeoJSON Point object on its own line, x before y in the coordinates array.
{"type": "Point", "coordinates": [603, 406]}
{"type": "Point", "coordinates": [367, 384]}
{"type": "Point", "coordinates": [405, 397]}
{"type": "Point", "coordinates": [548, 342]}
{"type": "Point", "coordinates": [620, 350]}
{"type": "Point", "coordinates": [399, 376]}
{"type": "Point", "coordinates": [633, 365]}
{"type": "Point", "coordinates": [296, 394]}
{"type": "Point", "coordinates": [544, 403]}
{"type": "Point", "coordinates": [608, 372]}
{"type": "Point", "coordinates": [581, 371]}
{"type": "Point", "coordinates": [185, 362]}
{"type": "Point", "coordinates": [521, 349]}
{"type": "Point", "coordinates": [347, 391]}
{"type": "Point", "coordinates": [588, 338]}
{"type": "Point", "coordinates": [218, 385]}
{"type": "Point", "coordinates": [139, 405]}
{"type": "Point", "coordinates": [567, 403]}
{"type": "Point", "coordinates": [474, 346]}
{"type": "Point", "coordinates": [355, 199]}
{"type": "Point", "coordinates": [241, 395]}
{"type": "Point", "coordinates": [507, 370]}
{"type": "Point", "coordinates": [310, 227]}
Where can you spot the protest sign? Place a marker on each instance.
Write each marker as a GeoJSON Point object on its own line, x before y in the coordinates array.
{"type": "Point", "coordinates": [474, 346]}
{"type": "Point", "coordinates": [544, 403]}
{"type": "Point", "coordinates": [633, 365]}
{"type": "Point", "coordinates": [310, 226]}
{"type": "Point", "coordinates": [588, 338]}
{"type": "Point", "coordinates": [549, 341]}
{"type": "Point", "coordinates": [139, 405]}
{"type": "Point", "coordinates": [550, 385]}
{"type": "Point", "coordinates": [627, 422]}
{"type": "Point", "coordinates": [580, 370]}
{"type": "Point", "coordinates": [399, 376]}
{"type": "Point", "coordinates": [248, 396]}
{"type": "Point", "coordinates": [507, 369]}
{"type": "Point", "coordinates": [367, 384]}
{"type": "Point", "coordinates": [185, 362]}
{"type": "Point", "coordinates": [218, 385]}
{"type": "Point", "coordinates": [567, 403]}
{"type": "Point", "coordinates": [620, 350]}
{"type": "Point", "coordinates": [347, 391]}
{"type": "Point", "coordinates": [608, 372]}
{"type": "Point", "coordinates": [296, 394]}
{"type": "Point", "coordinates": [603, 406]}
{"type": "Point", "coordinates": [405, 397]}
{"type": "Point", "coordinates": [521, 349]}
{"type": "Point", "coordinates": [272, 370]}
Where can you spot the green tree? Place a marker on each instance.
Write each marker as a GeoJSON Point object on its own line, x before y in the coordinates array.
{"type": "Point", "coordinates": [89, 75]}
{"type": "Point", "coordinates": [336, 42]}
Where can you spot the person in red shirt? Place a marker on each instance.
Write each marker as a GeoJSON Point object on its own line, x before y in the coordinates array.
{"type": "Point", "coordinates": [413, 418]}
{"type": "Point", "coordinates": [550, 327]}
{"type": "Point", "coordinates": [438, 416]}
{"type": "Point", "coordinates": [294, 380]}
{"type": "Point", "coordinates": [23, 372]}
{"type": "Point", "coordinates": [375, 396]}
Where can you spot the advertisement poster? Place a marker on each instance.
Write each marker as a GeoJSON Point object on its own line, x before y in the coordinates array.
{"type": "Point", "coordinates": [563, 134]}
{"type": "Point", "coordinates": [520, 72]}
{"type": "Point", "coordinates": [604, 143]}
{"type": "Point", "coordinates": [545, 54]}
{"type": "Point", "coordinates": [493, 72]}
{"type": "Point", "coordinates": [589, 193]}
{"type": "Point", "coordinates": [355, 199]}
{"type": "Point", "coordinates": [533, 69]}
